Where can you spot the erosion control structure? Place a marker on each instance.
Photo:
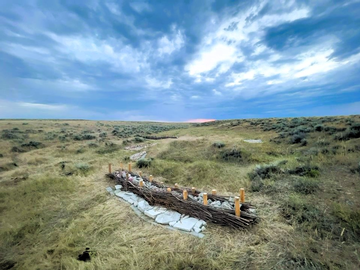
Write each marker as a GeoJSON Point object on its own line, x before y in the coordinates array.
{"type": "Point", "coordinates": [222, 210]}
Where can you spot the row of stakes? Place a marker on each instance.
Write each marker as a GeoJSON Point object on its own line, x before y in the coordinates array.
{"type": "Point", "coordinates": [237, 200]}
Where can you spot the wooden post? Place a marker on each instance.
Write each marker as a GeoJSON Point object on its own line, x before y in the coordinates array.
{"type": "Point", "coordinates": [150, 178]}
{"type": "Point", "coordinates": [126, 182]}
{"type": "Point", "coordinates": [205, 199]}
{"type": "Point", "coordinates": [140, 173]}
{"type": "Point", "coordinates": [176, 186]}
{"type": "Point", "coordinates": [129, 167]}
{"type": "Point", "coordinates": [121, 166]}
{"type": "Point", "coordinates": [237, 206]}
{"type": "Point", "coordinates": [213, 192]}
{"type": "Point", "coordinates": [168, 190]}
{"type": "Point", "coordinates": [185, 194]}
{"type": "Point", "coordinates": [109, 167]}
{"type": "Point", "coordinates": [193, 190]}
{"type": "Point", "coordinates": [242, 195]}
{"type": "Point", "coordinates": [141, 183]}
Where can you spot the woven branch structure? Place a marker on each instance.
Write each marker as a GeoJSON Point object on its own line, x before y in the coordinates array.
{"type": "Point", "coordinates": [174, 201]}
{"type": "Point", "coordinates": [159, 138]}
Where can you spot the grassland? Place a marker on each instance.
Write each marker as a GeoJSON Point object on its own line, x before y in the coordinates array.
{"type": "Point", "coordinates": [303, 179]}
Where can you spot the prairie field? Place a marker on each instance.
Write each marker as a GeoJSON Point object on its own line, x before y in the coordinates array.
{"type": "Point", "coordinates": [303, 179]}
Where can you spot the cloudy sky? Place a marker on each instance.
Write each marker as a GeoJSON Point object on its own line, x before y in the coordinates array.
{"type": "Point", "coordinates": [178, 60]}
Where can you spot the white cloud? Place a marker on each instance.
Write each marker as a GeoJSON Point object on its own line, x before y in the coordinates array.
{"type": "Point", "coordinates": [154, 83]}
{"type": "Point", "coordinates": [169, 44]}
{"type": "Point", "coordinates": [194, 97]}
{"type": "Point", "coordinates": [46, 107]}
{"type": "Point", "coordinates": [209, 58]}
{"type": "Point", "coordinates": [216, 93]}
{"type": "Point", "coordinates": [221, 48]}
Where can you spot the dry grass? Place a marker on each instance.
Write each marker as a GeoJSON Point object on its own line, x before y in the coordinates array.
{"type": "Point", "coordinates": [50, 214]}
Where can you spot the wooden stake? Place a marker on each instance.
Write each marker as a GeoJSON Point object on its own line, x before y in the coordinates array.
{"type": "Point", "coordinates": [121, 166]}
{"type": "Point", "coordinates": [193, 190]}
{"type": "Point", "coordinates": [176, 186]}
{"type": "Point", "coordinates": [129, 167]}
{"type": "Point", "coordinates": [185, 194]}
{"type": "Point", "coordinates": [141, 183]}
{"type": "Point", "coordinates": [237, 207]}
{"type": "Point", "coordinates": [168, 190]}
{"type": "Point", "coordinates": [140, 173]}
{"type": "Point", "coordinates": [242, 195]}
{"type": "Point", "coordinates": [150, 178]}
{"type": "Point", "coordinates": [109, 167]}
{"type": "Point", "coordinates": [205, 199]}
{"type": "Point", "coordinates": [213, 192]}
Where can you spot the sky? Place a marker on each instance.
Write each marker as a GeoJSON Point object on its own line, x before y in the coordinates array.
{"type": "Point", "coordinates": [178, 60]}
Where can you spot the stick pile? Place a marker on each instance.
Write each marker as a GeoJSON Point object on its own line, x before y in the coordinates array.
{"type": "Point", "coordinates": [190, 207]}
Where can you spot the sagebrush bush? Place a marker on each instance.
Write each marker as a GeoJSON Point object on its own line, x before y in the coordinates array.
{"type": "Point", "coordinates": [139, 139]}
{"type": "Point", "coordinates": [83, 167]}
{"type": "Point", "coordinates": [144, 162]}
{"type": "Point", "coordinates": [306, 186]}
{"type": "Point", "coordinates": [297, 138]}
{"type": "Point", "coordinates": [219, 144]}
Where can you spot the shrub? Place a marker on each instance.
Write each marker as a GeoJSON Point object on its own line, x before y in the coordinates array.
{"type": "Point", "coordinates": [232, 155]}
{"type": "Point", "coordinates": [319, 128]}
{"type": "Point", "coordinates": [9, 136]}
{"type": "Point", "coordinates": [33, 144]}
{"type": "Point", "coordinates": [297, 138]}
{"type": "Point", "coordinates": [79, 137]}
{"type": "Point", "coordinates": [303, 142]}
{"type": "Point", "coordinates": [218, 144]}
{"type": "Point", "coordinates": [306, 186]}
{"type": "Point", "coordinates": [16, 149]}
{"type": "Point", "coordinates": [139, 139]}
{"type": "Point", "coordinates": [1, 155]}
{"type": "Point", "coordinates": [305, 170]}
{"type": "Point", "coordinates": [83, 168]}
{"type": "Point", "coordinates": [265, 171]}
{"type": "Point", "coordinates": [348, 134]}
{"type": "Point", "coordinates": [144, 162]}
{"type": "Point", "coordinates": [103, 135]}
{"type": "Point", "coordinates": [93, 145]}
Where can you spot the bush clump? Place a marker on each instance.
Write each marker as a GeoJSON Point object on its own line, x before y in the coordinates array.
{"type": "Point", "coordinates": [350, 133]}
{"type": "Point", "coordinates": [139, 139]}
{"type": "Point", "coordinates": [144, 162]}
{"type": "Point", "coordinates": [83, 168]}
{"type": "Point", "coordinates": [232, 155]}
{"type": "Point", "coordinates": [306, 186]}
{"type": "Point", "coordinates": [219, 144]}
{"type": "Point", "coordinates": [305, 170]}
{"type": "Point", "coordinates": [297, 138]}
{"type": "Point", "coordinates": [83, 137]}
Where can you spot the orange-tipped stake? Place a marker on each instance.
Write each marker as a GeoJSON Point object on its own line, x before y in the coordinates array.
{"type": "Point", "coordinates": [121, 166]}
{"type": "Point", "coordinates": [140, 173]}
{"type": "Point", "coordinates": [168, 190]}
{"type": "Point", "coordinates": [185, 194]}
{"type": "Point", "coordinates": [193, 190]}
{"type": "Point", "coordinates": [237, 207]}
{"type": "Point", "coordinates": [151, 178]}
{"type": "Point", "coordinates": [127, 176]}
{"type": "Point", "coordinates": [242, 195]}
{"type": "Point", "coordinates": [141, 183]}
{"type": "Point", "coordinates": [129, 167]}
{"type": "Point", "coordinates": [205, 199]}
{"type": "Point", "coordinates": [176, 186]}
{"type": "Point", "coordinates": [213, 192]}
{"type": "Point", "coordinates": [109, 167]}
